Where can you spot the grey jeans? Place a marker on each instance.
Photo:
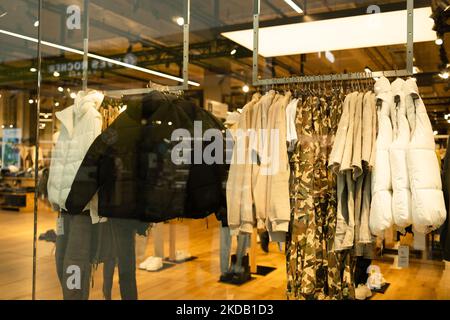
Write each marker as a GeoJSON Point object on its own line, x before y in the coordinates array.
{"type": "Point", "coordinates": [73, 256]}
{"type": "Point", "coordinates": [225, 248]}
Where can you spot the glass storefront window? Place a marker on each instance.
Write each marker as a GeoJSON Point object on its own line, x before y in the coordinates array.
{"type": "Point", "coordinates": [117, 172]}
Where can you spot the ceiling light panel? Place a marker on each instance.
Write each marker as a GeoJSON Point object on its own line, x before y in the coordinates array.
{"type": "Point", "coordinates": [363, 31]}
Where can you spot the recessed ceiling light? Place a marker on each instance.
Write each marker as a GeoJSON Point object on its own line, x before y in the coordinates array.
{"type": "Point", "coordinates": [73, 95]}
{"type": "Point", "coordinates": [245, 88]}
{"type": "Point", "coordinates": [233, 52]}
{"type": "Point", "coordinates": [56, 74]}
{"type": "Point", "coordinates": [435, 132]}
{"type": "Point", "coordinates": [60, 89]}
{"type": "Point", "coordinates": [56, 104]}
{"type": "Point", "coordinates": [33, 69]}
{"type": "Point", "coordinates": [36, 24]}
{"type": "Point", "coordinates": [439, 41]}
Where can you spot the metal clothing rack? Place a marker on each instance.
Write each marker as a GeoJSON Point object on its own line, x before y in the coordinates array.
{"type": "Point", "coordinates": [185, 70]}
{"type": "Point", "coordinates": [334, 77]}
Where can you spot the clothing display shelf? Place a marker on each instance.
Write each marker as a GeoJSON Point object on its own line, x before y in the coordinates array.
{"type": "Point", "coordinates": [334, 77]}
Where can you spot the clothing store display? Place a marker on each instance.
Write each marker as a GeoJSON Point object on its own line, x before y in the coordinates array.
{"type": "Point", "coordinates": [130, 165]}
{"type": "Point", "coordinates": [381, 206]}
{"type": "Point", "coordinates": [401, 192]}
{"type": "Point", "coordinates": [427, 200]}
{"type": "Point", "coordinates": [81, 124]}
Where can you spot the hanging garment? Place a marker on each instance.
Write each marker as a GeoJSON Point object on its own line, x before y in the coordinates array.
{"type": "Point", "coordinates": [277, 172]}
{"type": "Point", "coordinates": [362, 231]}
{"type": "Point", "coordinates": [401, 193]}
{"type": "Point", "coordinates": [381, 206]}
{"type": "Point", "coordinates": [260, 161]}
{"type": "Point", "coordinates": [81, 124]}
{"type": "Point", "coordinates": [240, 171]}
{"type": "Point", "coordinates": [291, 136]}
{"type": "Point", "coordinates": [345, 223]}
{"type": "Point", "coordinates": [131, 165]}
{"type": "Point", "coordinates": [301, 246]}
{"type": "Point", "coordinates": [428, 206]}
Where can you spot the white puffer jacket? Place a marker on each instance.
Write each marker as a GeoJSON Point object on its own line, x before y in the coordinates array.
{"type": "Point", "coordinates": [401, 194]}
{"type": "Point", "coordinates": [381, 205]}
{"type": "Point", "coordinates": [428, 206]}
{"type": "Point", "coordinates": [81, 124]}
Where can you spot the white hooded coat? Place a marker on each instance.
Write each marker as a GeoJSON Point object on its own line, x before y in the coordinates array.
{"type": "Point", "coordinates": [401, 193]}
{"type": "Point", "coordinates": [428, 206]}
{"type": "Point", "coordinates": [81, 124]}
{"type": "Point", "coordinates": [381, 206]}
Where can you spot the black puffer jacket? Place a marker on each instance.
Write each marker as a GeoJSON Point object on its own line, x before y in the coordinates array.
{"type": "Point", "coordinates": [130, 165]}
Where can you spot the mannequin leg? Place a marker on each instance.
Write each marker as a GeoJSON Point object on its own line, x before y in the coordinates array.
{"type": "Point", "coordinates": [108, 276]}
{"type": "Point", "coordinates": [225, 247]}
{"type": "Point", "coordinates": [124, 232]}
{"type": "Point", "coordinates": [77, 265]}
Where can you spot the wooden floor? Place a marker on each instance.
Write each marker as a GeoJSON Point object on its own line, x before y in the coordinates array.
{"type": "Point", "coordinates": [197, 279]}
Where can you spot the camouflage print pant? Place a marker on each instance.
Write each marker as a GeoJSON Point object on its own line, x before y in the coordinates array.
{"type": "Point", "coordinates": [314, 270]}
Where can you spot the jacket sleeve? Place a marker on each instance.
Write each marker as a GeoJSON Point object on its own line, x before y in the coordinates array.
{"type": "Point", "coordinates": [88, 178]}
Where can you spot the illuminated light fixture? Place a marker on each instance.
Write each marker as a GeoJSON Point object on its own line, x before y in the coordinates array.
{"type": "Point", "coordinates": [68, 89]}
{"type": "Point", "coordinates": [435, 132]}
{"type": "Point", "coordinates": [179, 21]}
{"type": "Point", "coordinates": [448, 121]}
{"type": "Point", "coordinates": [416, 70]}
{"type": "Point", "coordinates": [245, 88]}
{"type": "Point", "coordinates": [439, 41]}
{"type": "Point", "coordinates": [56, 74]}
{"type": "Point", "coordinates": [60, 89]}
{"type": "Point", "coordinates": [233, 52]}
{"type": "Point", "coordinates": [338, 34]}
{"type": "Point", "coordinates": [36, 24]}
{"type": "Point", "coordinates": [294, 6]}
{"type": "Point", "coordinates": [56, 104]}
{"type": "Point", "coordinates": [11, 126]}
{"type": "Point", "coordinates": [444, 75]}
{"type": "Point", "coordinates": [367, 70]}
{"type": "Point", "coordinates": [98, 57]}
{"type": "Point", "coordinates": [31, 101]}
{"type": "Point", "coordinates": [3, 14]}
{"type": "Point", "coordinates": [73, 95]}
{"type": "Point", "coordinates": [33, 69]}
{"type": "Point", "coordinates": [446, 116]}
{"type": "Point", "coordinates": [3, 126]}
{"type": "Point", "coordinates": [330, 56]}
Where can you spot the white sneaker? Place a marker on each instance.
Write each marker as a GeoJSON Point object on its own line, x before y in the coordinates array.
{"type": "Point", "coordinates": [155, 264]}
{"type": "Point", "coordinates": [362, 292]}
{"type": "Point", "coordinates": [143, 265]}
{"type": "Point", "coordinates": [181, 255]}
